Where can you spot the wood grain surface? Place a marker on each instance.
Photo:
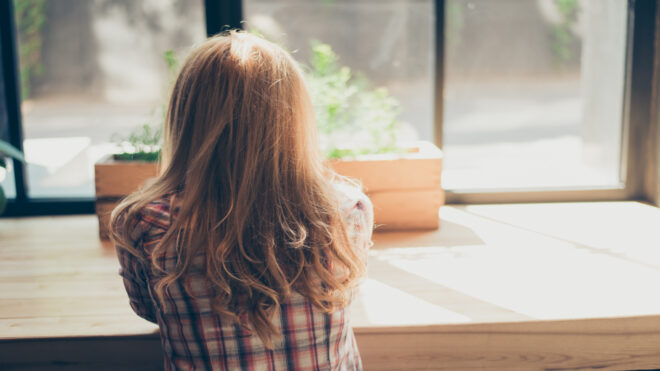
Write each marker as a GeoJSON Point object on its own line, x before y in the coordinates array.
{"type": "Point", "coordinates": [407, 210]}
{"type": "Point", "coordinates": [418, 170]}
{"type": "Point", "coordinates": [119, 178]}
{"type": "Point", "coordinates": [497, 287]}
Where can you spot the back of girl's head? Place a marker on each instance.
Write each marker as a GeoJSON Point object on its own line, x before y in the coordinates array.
{"type": "Point", "coordinates": [240, 147]}
{"type": "Point", "coordinates": [241, 100]}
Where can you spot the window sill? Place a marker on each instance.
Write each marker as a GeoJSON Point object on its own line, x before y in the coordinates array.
{"type": "Point", "coordinates": [502, 286]}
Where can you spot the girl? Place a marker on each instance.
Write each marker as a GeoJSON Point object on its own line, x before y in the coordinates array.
{"type": "Point", "coordinates": [245, 250]}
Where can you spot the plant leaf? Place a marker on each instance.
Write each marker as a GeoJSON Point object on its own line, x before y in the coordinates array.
{"type": "Point", "coordinates": [11, 151]}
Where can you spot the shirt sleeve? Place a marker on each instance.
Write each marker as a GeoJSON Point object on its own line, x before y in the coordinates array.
{"type": "Point", "coordinates": [132, 268]}
{"type": "Point", "coordinates": [136, 284]}
{"type": "Point", "coordinates": [363, 225]}
{"type": "Point", "coordinates": [358, 214]}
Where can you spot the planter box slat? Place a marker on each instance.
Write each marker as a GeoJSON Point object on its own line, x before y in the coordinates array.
{"type": "Point", "coordinates": [405, 189]}
{"type": "Point", "coordinates": [115, 180]}
{"type": "Point", "coordinates": [388, 175]}
{"type": "Point", "coordinates": [416, 170]}
{"type": "Point", "coordinates": [407, 210]}
{"type": "Point", "coordinates": [121, 178]}
{"type": "Point", "coordinates": [103, 210]}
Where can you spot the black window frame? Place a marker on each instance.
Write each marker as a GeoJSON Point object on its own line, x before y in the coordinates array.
{"type": "Point", "coordinates": [225, 14]}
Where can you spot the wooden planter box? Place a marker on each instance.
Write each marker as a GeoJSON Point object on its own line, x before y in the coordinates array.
{"type": "Point", "coordinates": [404, 188]}
{"type": "Point", "coordinates": [114, 181]}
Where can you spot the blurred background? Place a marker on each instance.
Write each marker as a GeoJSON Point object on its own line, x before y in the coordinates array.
{"type": "Point", "coordinates": [533, 89]}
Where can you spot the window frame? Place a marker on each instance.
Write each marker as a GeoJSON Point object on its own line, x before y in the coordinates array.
{"type": "Point", "coordinates": [637, 125]}
{"type": "Point", "coordinates": [637, 157]}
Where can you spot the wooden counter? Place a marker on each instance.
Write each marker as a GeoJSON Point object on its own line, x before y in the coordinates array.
{"type": "Point", "coordinates": [511, 287]}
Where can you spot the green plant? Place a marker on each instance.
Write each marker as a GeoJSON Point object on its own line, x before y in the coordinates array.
{"type": "Point", "coordinates": [353, 117]}
{"type": "Point", "coordinates": [144, 143]}
{"type": "Point", "coordinates": [30, 19]}
{"type": "Point", "coordinates": [563, 39]}
{"type": "Point", "coordinates": [7, 150]}
{"type": "Point", "coordinates": [172, 63]}
{"type": "Point", "coordinates": [455, 23]}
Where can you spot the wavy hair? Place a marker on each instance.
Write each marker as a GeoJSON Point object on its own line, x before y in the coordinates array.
{"type": "Point", "coordinates": [241, 149]}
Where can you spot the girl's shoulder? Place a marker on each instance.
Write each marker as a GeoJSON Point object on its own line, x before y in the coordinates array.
{"type": "Point", "coordinates": [157, 213]}
{"type": "Point", "coordinates": [350, 194]}
{"type": "Point", "coordinates": [354, 203]}
{"type": "Point", "coordinates": [150, 221]}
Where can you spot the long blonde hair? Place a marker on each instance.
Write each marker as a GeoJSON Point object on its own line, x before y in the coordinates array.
{"type": "Point", "coordinates": [240, 145]}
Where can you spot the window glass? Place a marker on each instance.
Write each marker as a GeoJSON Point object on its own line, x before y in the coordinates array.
{"type": "Point", "coordinates": [7, 180]}
{"type": "Point", "coordinates": [533, 93]}
{"type": "Point", "coordinates": [383, 44]}
{"type": "Point", "coordinates": [90, 70]}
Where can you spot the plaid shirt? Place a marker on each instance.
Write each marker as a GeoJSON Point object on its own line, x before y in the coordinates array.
{"type": "Point", "coordinates": [195, 338]}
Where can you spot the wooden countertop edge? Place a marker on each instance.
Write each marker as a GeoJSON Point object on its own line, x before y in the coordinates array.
{"type": "Point", "coordinates": [605, 325]}
{"type": "Point", "coordinates": [648, 324]}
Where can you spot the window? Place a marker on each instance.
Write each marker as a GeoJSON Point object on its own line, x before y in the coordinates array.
{"type": "Point", "coordinates": [534, 94]}
{"type": "Point", "coordinates": [389, 43]}
{"type": "Point", "coordinates": [513, 90]}
{"type": "Point", "coordinates": [89, 70]}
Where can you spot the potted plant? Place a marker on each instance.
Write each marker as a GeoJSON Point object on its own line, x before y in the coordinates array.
{"type": "Point", "coordinates": [358, 126]}
{"type": "Point", "coordinates": [118, 175]}
{"type": "Point", "coordinates": [7, 150]}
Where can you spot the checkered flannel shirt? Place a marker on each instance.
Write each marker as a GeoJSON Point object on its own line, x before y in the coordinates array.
{"type": "Point", "coordinates": [195, 338]}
